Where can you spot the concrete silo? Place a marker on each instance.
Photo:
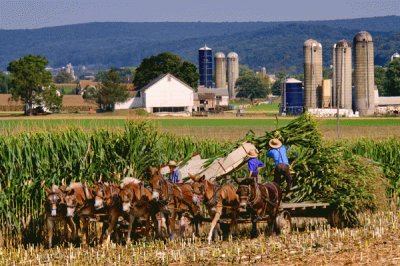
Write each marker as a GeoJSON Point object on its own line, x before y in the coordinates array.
{"type": "Point", "coordinates": [342, 75]}
{"type": "Point", "coordinates": [312, 73]}
{"type": "Point", "coordinates": [364, 73]}
{"type": "Point", "coordinates": [233, 73]}
{"type": "Point", "coordinates": [220, 70]}
{"type": "Point", "coordinates": [205, 66]}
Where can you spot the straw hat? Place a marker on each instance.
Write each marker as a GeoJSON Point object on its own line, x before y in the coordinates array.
{"type": "Point", "coordinates": [275, 143]}
{"type": "Point", "coordinates": [252, 153]}
{"type": "Point", "coordinates": [172, 163]}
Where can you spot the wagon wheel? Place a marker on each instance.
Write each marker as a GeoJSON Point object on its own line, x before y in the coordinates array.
{"type": "Point", "coordinates": [335, 219]}
{"type": "Point", "coordinates": [284, 223]}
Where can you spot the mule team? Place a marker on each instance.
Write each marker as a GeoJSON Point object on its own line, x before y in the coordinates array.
{"type": "Point", "coordinates": [168, 202]}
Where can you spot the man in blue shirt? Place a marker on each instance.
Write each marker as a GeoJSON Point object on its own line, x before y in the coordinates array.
{"type": "Point", "coordinates": [253, 164]}
{"type": "Point", "coordinates": [278, 152]}
{"type": "Point", "coordinates": [175, 175]}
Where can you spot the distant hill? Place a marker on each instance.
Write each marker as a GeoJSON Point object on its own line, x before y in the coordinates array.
{"type": "Point", "coordinates": [276, 45]}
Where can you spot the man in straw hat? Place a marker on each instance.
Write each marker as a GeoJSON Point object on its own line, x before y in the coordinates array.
{"type": "Point", "coordinates": [175, 175]}
{"type": "Point", "coordinates": [253, 164]}
{"type": "Point", "coordinates": [277, 151]}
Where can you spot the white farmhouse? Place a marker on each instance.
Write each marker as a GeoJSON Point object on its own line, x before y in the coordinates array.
{"type": "Point", "coordinates": [165, 94]}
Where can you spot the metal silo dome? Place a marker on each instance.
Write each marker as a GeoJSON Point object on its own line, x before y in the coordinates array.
{"type": "Point", "coordinates": [395, 56]}
{"type": "Point", "coordinates": [219, 55]}
{"type": "Point", "coordinates": [343, 44]}
{"type": "Point", "coordinates": [233, 55]}
{"type": "Point", "coordinates": [363, 36]}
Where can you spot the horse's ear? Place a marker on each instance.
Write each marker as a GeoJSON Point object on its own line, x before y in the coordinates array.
{"type": "Point", "coordinates": [192, 177]}
{"type": "Point", "coordinates": [48, 190]}
{"type": "Point", "coordinates": [62, 188]}
{"type": "Point", "coordinates": [202, 178]}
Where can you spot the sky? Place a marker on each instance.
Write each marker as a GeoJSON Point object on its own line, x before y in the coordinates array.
{"type": "Point", "coordinates": [27, 14]}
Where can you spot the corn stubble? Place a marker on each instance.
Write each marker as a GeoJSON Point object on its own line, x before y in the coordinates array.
{"type": "Point", "coordinates": [374, 242]}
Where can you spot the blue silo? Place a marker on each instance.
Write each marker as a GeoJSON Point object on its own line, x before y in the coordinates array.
{"type": "Point", "coordinates": [292, 97]}
{"type": "Point", "coordinates": [206, 66]}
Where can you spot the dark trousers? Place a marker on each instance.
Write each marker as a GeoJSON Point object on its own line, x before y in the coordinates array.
{"type": "Point", "coordinates": [282, 170]}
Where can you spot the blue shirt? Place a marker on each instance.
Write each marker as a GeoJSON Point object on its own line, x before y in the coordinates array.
{"type": "Point", "coordinates": [253, 164]}
{"type": "Point", "coordinates": [279, 155]}
{"type": "Point", "coordinates": [175, 176]}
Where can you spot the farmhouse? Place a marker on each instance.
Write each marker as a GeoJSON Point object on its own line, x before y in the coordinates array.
{"type": "Point", "coordinates": [210, 99]}
{"type": "Point", "coordinates": [165, 94]}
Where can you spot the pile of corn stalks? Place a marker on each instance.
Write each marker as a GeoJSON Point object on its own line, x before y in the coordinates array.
{"type": "Point", "coordinates": [322, 172]}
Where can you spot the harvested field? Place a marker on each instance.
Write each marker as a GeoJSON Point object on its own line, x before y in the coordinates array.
{"type": "Point", "coordinates": [376, 242]}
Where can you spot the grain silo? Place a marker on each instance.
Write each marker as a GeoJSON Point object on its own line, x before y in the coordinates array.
{"type": "Point", "coordinates": [205, 66]}
{"type": "Point", "coordinates": [292, 98]}
{"type": "Point", "coordinates": [312, 73]}
{"type": "Point", "coordinates": [220, 70]}
{"type": "Point", "coordinates": [364, 73]}
{"type": "Point", "coordinates": [233, 73]}
{"type": "Point", "coordinates": [342, 75]}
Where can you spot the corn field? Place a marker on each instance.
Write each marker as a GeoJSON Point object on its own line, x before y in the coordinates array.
{"type": "Point", "coordinates": [349, 175]}
{"type": "Point", "coordinates": [33, 161]}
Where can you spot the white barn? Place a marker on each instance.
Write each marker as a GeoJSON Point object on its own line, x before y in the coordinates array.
{"type": "Point", "coordinates": [165, 94]}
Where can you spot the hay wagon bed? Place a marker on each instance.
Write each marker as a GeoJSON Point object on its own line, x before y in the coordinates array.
{"type": "Point", "coordinates": [287, 211]}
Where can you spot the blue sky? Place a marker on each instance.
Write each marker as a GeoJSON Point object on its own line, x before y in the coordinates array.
{"type": "Point", "coordinates": [17, 14]}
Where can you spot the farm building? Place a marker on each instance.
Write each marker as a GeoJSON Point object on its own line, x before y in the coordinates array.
{"type": "Point", "coordinates": [388, 105]}
{"type": "Point", "coordinates": [165, 94]}
{"type": "Point", "coordinates": [210, 99]}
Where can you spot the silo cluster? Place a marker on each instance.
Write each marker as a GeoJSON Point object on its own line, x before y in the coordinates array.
{"type": "Point", "coordinates": [233, 73]}
{"type": "Point", "coordinates": [364, 82]}
{"type": "Point", "coordinates": [312, 73]}
{"type": "Point", "coordinates": [342, 75]}
{"type": "Point", "coordinates": [318, 93]}
{"type": "Point", "coordinates": [220, 70]}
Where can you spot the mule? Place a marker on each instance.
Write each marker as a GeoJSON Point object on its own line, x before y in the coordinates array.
{"type": "Point", "coordinates": [259, 201]}
{"type": "Point", "coordinates": [56, 211]}
{"type": "Point", "coordinates": [108, 203]}
{"type": "Point", "coordinates": [136, 204]}
{"type": "Point", "coordinates": [188, 207]}
{"type": "Point", "coordinates": [80, 203]}
{"type": "Point", "coordinates": [167, 199]}
{"type": "Point", "coordinates": [219, 200]}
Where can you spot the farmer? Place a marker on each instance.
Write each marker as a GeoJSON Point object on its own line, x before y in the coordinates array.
{"type": "Point", "coordinates": [175, 175]}
{"type": "Point", "coordinates": [253, 164]}
{"type": "Point", "coordinates": [277, 151]}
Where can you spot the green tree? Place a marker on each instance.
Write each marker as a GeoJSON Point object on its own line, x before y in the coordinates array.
{"type": "Point", "coordinates": [250, 85]}
{"type": "Point", "coordinates": [392, 82]}
{"type": "Point", "coordinates": [5, 82]}
{"type": "Point", "coordinates": [110, 91]}
{"type": "Point", "coordinates": [380, 77]}
{"type": "Point", "coordinates": [126, 74]}
{"type": "Point", "coordinates": [276, 87]}
{"type": "Point", "coordinates": [29, 80]}
{"type": "Point", "coordinates": [52, 99]}
{"type": "Point", "coordinates": [63, 77]}
{"type": "Point", "coordinates": [163, 63]}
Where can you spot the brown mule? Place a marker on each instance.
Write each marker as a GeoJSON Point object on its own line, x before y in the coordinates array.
{"type": "Point", "coordinates": [190, 205]}
{"type": "Point", "coordinates": [259, 201]}
{"type": "Point", "coordinates": [108, 203]}
{"type": "Point", "coordinates": [219, 200]}
{"type": "Point", "coordinates": [80, 203]}
{"type": "Point", "coordinates": [167, 200]}
{"type": "Point", "coordinates": [136, 203]}
{"type": "Point", "coordinates": [56, 211]}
